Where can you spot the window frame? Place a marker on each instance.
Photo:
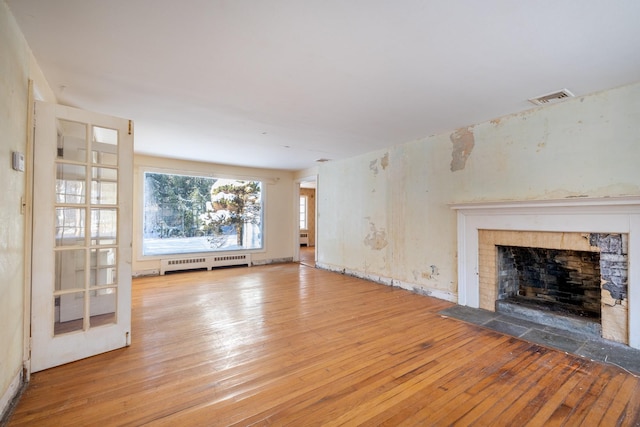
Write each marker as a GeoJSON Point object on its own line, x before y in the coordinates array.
{"type": "Point", "coordinates": [143, 170]}
{"type": "Point", "coordinates": [306, 212]}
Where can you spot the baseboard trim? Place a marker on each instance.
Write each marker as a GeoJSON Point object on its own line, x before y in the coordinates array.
{"type": "Point", "coordinates": [388, 281]}
{"type": "Point", "coordinates": [143, 273]}
{"type": "Point", "coordinates": [272, 261]}
{"type": "Point", "coordinates": [10, 397]}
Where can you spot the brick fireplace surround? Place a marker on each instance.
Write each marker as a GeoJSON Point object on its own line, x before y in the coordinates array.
{"type": "Point", "coordinates": [551, 224]}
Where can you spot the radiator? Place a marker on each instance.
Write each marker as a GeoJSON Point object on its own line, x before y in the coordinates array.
{"type": "Point", "coordinates": [208, 262]}
{"type": "Point", "coordinates": [304, 238]}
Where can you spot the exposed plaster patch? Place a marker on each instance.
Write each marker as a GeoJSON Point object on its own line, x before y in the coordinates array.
{"type": "Point", "coordinates": [384, 161]}
{"type": "Point", "coordinates": [431, 275]}
{"type": "Point", "coordinates": [434, 270]}
{"type": "Point", "coordinates": [376, 239]}
{"type": "Point", "coordinates": [463, 142]}
{"type": "Point", "coordinates": [373, 165]}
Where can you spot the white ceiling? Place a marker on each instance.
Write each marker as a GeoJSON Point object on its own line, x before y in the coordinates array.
{"type": "Point", "coordinates": [282, 83]}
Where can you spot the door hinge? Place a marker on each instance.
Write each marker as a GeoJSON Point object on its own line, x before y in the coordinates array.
{"type": "Point", "coordinates": [130, 127]}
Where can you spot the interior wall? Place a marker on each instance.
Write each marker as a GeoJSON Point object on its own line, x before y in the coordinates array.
{"type": "Point", "coordinates": [385, 215]}
{"type": "Point", "coordinates": [14, 81]}
{"type": "Point", "coordinates": [311, 213]}
{"type": "Point", "coordinates": [279, 236]}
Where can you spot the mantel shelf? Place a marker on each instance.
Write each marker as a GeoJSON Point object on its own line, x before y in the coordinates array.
{"type": "Point", "coordinates": [575, 202]}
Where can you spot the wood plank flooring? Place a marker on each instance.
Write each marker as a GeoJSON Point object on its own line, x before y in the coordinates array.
{"type": "Point", "coordinates": [308, 255]}
{"type": "Point", "coordinates": [288, 344]}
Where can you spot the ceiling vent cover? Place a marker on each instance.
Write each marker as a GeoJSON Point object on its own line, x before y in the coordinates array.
{"type": "Point", "coordinates": [552, 98]}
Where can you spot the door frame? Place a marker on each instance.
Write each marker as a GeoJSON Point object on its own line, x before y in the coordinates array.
{"type": "Point", "coordinates": [27, 207]}
{"type": "Point", "coordinates": [296, 216]}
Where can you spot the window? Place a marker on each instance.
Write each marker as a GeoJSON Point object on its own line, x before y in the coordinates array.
{"type": "Point", "coordinates": [193, 214]}
{"type": "Point", "coordinates": [303, 212]}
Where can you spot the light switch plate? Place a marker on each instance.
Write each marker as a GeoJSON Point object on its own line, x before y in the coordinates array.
{"type": "Point", "coordinates": [17, 161]}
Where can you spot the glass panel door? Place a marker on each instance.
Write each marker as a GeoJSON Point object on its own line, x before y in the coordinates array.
{"type": "Point", "coordinates": [82, 248]}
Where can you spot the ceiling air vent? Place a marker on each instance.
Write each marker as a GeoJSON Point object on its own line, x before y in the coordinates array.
{"type": "Point", "coordinates": [552, 98]}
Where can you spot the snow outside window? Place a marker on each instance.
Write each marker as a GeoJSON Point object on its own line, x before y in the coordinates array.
{"type": "Point", "coordinates": [194, 214]}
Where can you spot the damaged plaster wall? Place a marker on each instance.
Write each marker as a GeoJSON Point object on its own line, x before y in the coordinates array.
{"type": "Point", "coordinates": [463, 141]}
{"type": "Point", "coordinates": [353, 215]}
{"type": "Point", "coordinates": [393, 224]}
{"type": "Point", "coordinates": [14, 64]}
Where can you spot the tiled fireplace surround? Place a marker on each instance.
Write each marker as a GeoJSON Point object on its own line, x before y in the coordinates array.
{"type": "Point", "coordinates": [552, 224]}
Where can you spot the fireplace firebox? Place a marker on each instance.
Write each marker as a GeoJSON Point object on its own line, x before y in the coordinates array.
{"type": "Point", "coordinates": [565, 282]}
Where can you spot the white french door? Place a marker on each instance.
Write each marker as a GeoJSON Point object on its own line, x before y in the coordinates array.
{"type": "Point", "coordinates": [81, 264]}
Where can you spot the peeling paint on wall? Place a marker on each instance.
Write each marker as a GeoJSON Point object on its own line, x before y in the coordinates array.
{"type": "Point", "coordinates": [376, 239]}
{"type": "Point", "coordinates": [384, 161]}
{"type": "Point", "coordinates": [463, 142]}
{"type": "Point", "coordinates": [373, 165]}
{"type": "Point", "coordinates": [431, 275]}
{"type": "Point", "coordinates": [434, 271]}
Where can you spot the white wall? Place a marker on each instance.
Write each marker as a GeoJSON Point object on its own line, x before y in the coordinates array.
{"type": "Point", "coordinates": [14, 71]}
{"type": "Point", "coordinates": [279, 235]}
{"type": "Point", "coordinates": [385, 215]}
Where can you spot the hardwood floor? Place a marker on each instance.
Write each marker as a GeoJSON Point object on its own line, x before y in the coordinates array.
{"type": "Point", "coordinates": [308, 255]}
{"type": "Point", "coordinates": [288, 344]}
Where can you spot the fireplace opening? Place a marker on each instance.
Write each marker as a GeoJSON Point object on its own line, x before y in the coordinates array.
{"type": "Point", "coordinates": [564, 282]}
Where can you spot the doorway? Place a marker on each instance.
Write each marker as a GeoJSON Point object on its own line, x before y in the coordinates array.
{"type": "Point", "coordinates": [307, 225]}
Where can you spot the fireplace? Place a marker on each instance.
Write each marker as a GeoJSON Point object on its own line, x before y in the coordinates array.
{"type": "Point", "coordinates": [559, 281]}
{"type": "Point", "coordinates": [599, 236]}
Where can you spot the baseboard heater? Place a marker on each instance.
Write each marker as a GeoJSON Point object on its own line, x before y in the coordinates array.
{"type": "Point", "coordinates": [208, 262]}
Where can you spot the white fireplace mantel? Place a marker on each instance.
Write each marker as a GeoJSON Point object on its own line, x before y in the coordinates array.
{"type": "Point", "coordinates": [582, 215]}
